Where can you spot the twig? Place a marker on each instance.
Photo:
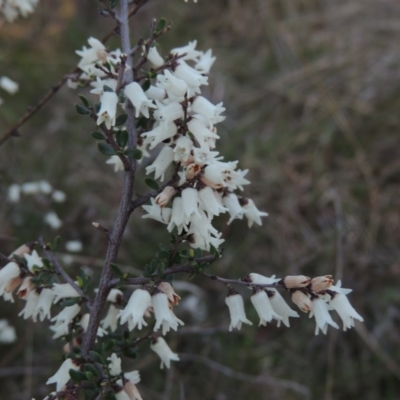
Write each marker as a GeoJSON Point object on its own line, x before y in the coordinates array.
{"type": "Point", "coordinates": [60, 271]}
{"type": "Point", "coordinates": [241, 376]}
{"type": "Point", "coordinates": [125, 203]}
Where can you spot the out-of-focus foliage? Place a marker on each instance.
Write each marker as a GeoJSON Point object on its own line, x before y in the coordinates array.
{"type": "Point", "coordinates": [312, 91]}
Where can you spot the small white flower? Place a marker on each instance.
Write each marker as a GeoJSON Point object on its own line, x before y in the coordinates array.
{"type": "Point", "coordinates": [155, 93]}
{"type": "Point", "coordinates": [7, 332]}
{"type": "Point", "coordinates": [210, 202]}
{"type": "Point", "coordinates": [173, 85]}
{"type": "Point", "coordinates": [63, 290]}
{"type": "Point", "coordinates": [231, 202]}
{"type": "Point", "coordinates": [99, 84]}
{"type": "Point", "coordinates": [84, 323]}
{"type": "Point", "coordinates": [154, 211]}
{"type": "Point", "coordinates": [111, 319]}
{"type": "Point", "coordinates": [190, 202]}
{"type": "Point", "coordinates": [264, 308]}
{"type": "Point", "coordinates": [281, 308]}
{"type": "Point", "coordinates": [206, 61]}
{"type": "Point", "coordinates": [30, 305]}
{"type": "Point", "coordinates": [164, 316]}
{"type": "Point", "coordinates": [115, 365]}
{"type": "Point", "coordinates": [14, 193]}
{"type": "Point", "coordinates": [210, 111]}
{"type": "Point", "coordinates": [73, 246]}
{"type": "Point", "coordinates": [7, 274]}
{"type": "Point", "coordinates": [161, 133]}
{"type": "Point", "coordinates": [138, 98]}
{"type": "Point", "coordinates": [33, 260]}
{"type": "Point", "coordinates": [302, 300]}
{"type": "Point", "coordinates": [59, 196]}
{"type": "Point", "coordinates": [252, 213]}
{"type": "Point", "coordinates": [170, 112]}
{"type": "Point", "coordinates": [8, 85]}
{"type": "Point", "coordinates": [189, 50]}
{"type": "Point", "coordinates": [178, 217]}
{"type": "Point", "coordinates": [61, 377]}
{"type": "Point", "coordinates": [161, 163]}
{"type": "Point", "coordinates": [154, 57]}
{"type": "Point", "coordinates": [133, 376]}
{"type": "Point", "coordinates": [161, 348]}
{"type": "Point", "coordinates": [44, 304]}
{"type": "Point", "coordinates": [236, 311]}
{"type": "Point", "coordinates": [347, 313]}
{"type": "Point", "coordinates": [135, 310]}
{"type": "Point", "coordinates": [26, 287]}
{"type": "Point", "coordinates": [116, 161]}
{"type": "Point", "coordinates": [322, 316]}
{"type": "Point", "coordinates": [114, 296]}
{"type": "Point", "coordinates": [45, 187]}
{"type": "Point", "coordinates": [51, 219]}
{"type": "Point", "coordinates": [63, 319]}
{"type": "Point", "coordinates": [30, 188]}
{"type": "Point", "coordinates": [108, 109]}
{"type": "Point", "coordinates": [183, 147]}
{"type": "Point", "coordinates": [200, 132]}
{"type": "Point", "coordinates": [259, 279]}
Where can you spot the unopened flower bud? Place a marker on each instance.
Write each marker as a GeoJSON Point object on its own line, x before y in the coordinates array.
{"type": "Point", "coordinates": [296, 281]}
{"type": "Point", "coordinates": [321, 283]}
{"type": "Point", "coordinates": [165, 196]}
{"type": "Point", "coordinates": [173, 298]}
{"type": "Point", "coordinates": [302, 301]}
{"type": "Point", "coordinates": [25, 288]}
{"type": "Point", "coordinates": [192, 170]}
{"type": "Point", "coordinates": [24, 249]}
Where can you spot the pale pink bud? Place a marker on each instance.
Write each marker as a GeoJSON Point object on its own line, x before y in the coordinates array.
{"type": "Point", "coordinates": [165, 196]}
{"type": "Point", "coordinates": [321, 283]}
{"type": "Point", "coordinates": [302, 301]}
{"type": "Point", "coordinates": [173, 298]}
{"type": "Point", "coordinates": [192, 170]}
{"type": "Point", "coordinates": [296, 281]}
{"type": "Point", "coordinates": [24, 249]}
{"type": "Point", "coordinates": [25, 288]}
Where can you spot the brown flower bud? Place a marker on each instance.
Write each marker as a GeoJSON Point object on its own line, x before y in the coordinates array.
{"type": "Point", "coordinates": [26, 287]}
{"type": "Point", "coordinates": [321, 283]}
{"type": "Point", "coordinates": [173, 298]}
{"type": "Point", "coordinates": [302, 301]}
{"type": "Point", "coordinates": [132, 391]}
{"type": "Point", "coordinates": [192, 170]}
{"type": "Point", "coordinates": [165, 196]}
{"type": "Point", "coordinates": [296, 281]}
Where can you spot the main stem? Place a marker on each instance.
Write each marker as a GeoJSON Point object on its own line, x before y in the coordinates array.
{"type": "Point", "coordinates": [124, 210]}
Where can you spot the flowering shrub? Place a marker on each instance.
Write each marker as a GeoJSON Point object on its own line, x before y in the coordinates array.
{"type": "Point", "coordinates": [144, 101]}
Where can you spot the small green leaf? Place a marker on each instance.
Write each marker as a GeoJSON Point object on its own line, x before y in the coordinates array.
{"type": "Point", "coordinates": [163, 254]}
{"type": "Point", "coordinates": [107, 88]}
{"type": "Point", "coordinates": [96, 357]}
{"type": "Point", "coordinates": [152, 183]}
{"type": "Point", "coordinates": [130, 352]}
{"type": "Point", "coordinates": [56, 243]}
{"type": "Point", "coordinates": [81, 110]}
{"type": "Point", "coordinates": [85, 101]}
{"type": "Point", "coordinates": [161, 24]}
{"type": "Point", "coordinates": [70, 302]}
{"type": "Point", "coordinates": [106, 149]}
{"type": "Point", "coordinates": [109, 345]}
{"type": "Point", "coordinates": [122, 138]}
{"type": "Point", "coordinates": [116, 269]}
{"type": "Point", "coordinates": [92, 369]}
{"type": "Point", "coordinates": [134, 153]}
{"type": "Point", "coordinates": [77, 376]}
{"type": "Point", "coordinates": [121, 119]}
{"type": "Point", "coordinates": [98, 136]}
{"type": "Point", "coordinates": [80, 281]}
{"type": "Point", "coordinates": [146, 85]}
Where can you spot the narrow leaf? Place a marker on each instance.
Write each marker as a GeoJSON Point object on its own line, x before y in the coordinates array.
{"type": "Point", "coordinates": [84, 100]}
{"type": "Point", "coordinates": [121, 119]}
{"type": "Point", "coordinates": [81, 110]}
{"type": "Point", "coordinates": [105, 149]}
{"type": "Point", "coordinates": [134, 153]}
{"type": "Point", "coordinates": [151, 183]}
{"type": "Point", "coordinates": [98, 136]}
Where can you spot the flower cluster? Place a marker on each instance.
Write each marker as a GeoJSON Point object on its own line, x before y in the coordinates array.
{"type": "Point", "coordinates": [12, 9]}
{"type": "Point", "coordinates": [317, 296]}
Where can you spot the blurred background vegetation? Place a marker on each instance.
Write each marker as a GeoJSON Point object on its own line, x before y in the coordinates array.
{"type": "Point", "coordinates": [312, 91]}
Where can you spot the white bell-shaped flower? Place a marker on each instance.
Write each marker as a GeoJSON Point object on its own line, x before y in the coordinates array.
{"type": "Point", "coordinates": [170, 112]}
{"type": "Point", "coordinates": [188, 52]}
{"type": "Point", "coordinates": [235, 304]}
{"type": "Point", "coordinates": [135, 310]}
{"type": "Point", "coordinates": [252, 213]}
{"type": "Point", "coordinates": [209, 202]}
{"type": "Point", "coordinates": [193, 78]}
{"type": "Point", "coordinates": [61, 377]}
{"type": "Point", "coordinates": [155, 93]}
{"type": "Point", "coordinates": [63, 290]}
{"type": "Point", "coordinates": [30, 305]}
{"type": "Point", "coordinates": [161, 348]}
{"type": "Point", "coordinates": [154, 57]}
{"type": "Point", "coordinates": [347, 313]}
{"type": "Point", "coordinates": [111, 319]}
{"type": "Point", "coordinates": [231, 202]}
{"type": "Point", "coordinates": [210, 111]}
{"type": "Point", "coordinates": [173, 85]}
{"type": "Point", "coordinates": [183, 147]}
{"type": "Point", "coordinates": [164, 315]}
{"type": "Point", "coordinates": [138, 98]}
{"type": "Point", "coordinates": [190, 202]}
{"type": "Point", "coordinates": [161, 133]}
{"type": "Point", "coordinates": [178, 217]}
{"type": "Point", "coordinates": [160, 214]}
{"type": "Point", "coordinates": [263, 307]}
{"type": "Point", "coordinates": [9, 272]}
{"type": "Point", "coordinates": [161, 163]}
{"type": "Point", "coordinates": [205, 62]}
{"type": "Point", "coordinates": [115, 365]}
{"type": "Point", "coordinates": [43, 306]}
{"type": "Point", "coordinates": [108, 109]}
{"type": "Point", "coordinates": [281, 307]}
{"type": "Point", "coordinates": [322, 316]}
